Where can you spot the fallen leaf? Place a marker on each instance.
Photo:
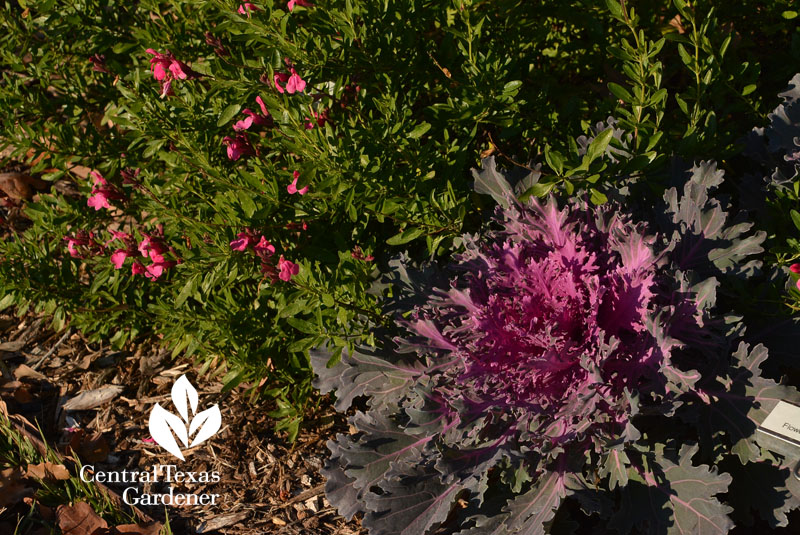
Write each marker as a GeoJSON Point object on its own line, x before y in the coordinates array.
{"type": "Point", "coordinates": [22, 394]}
{"type": "Point", "coordinates": [93, 398]}
{"type": "Point", "coordinates": [48, 471]}
{"type": "Point", "coordinates": [26, 371]}
{"type": "Point", "coordinates": [90, 448]}
{"type": "Point", "coordinates": [676, 23]}
{"type": "Point", "coordinates": [79, 519]}
{"type": "Point", "coordinates": [221, 521]}
{"type": "Point", "coordinates": [15, 186]}
{"type": "Point", "coordinates": [150, 528]}
{"type": "Point", "coordinates": [13, 487]}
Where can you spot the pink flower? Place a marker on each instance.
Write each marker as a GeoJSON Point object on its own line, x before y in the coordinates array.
{"type": "Point", "coordinates": [130, 176]}
{"type": "Point", "coordinates": [101, 193]}
{"type": "Point", "coordinates": [99, 63]}
{"type": "Point", "coordinates": [292, 188]}
{"type": "Point", "coordinates": [246, 8]}
{"type": "Point", "coordinates": [116, 235]}
{"type": "Point", "coordinates": [154, 271]}
{"type": "Point", "coordinates": [294, 84]}
{"type": "Point", "coordinates": [264, 248]}
{"type": "Point", "coordinates": [98, 179]}
{"type": "Point", "coordinates": [270, 272]}
{"type": "Point", "coordinates": [242, 241]}
{"type": "Point", "coordinates": [138, 268]}
{"type": "Point", "coordinates": [297, 226]}
{"type": "Point", "coordinates": [263, 106]}
{"type": "Point", "coordinates": [303, 3]}
{"type": "Point", "coordinates": [99, 200]}
{"type": "Point", "coordinates": [216, 44]}
{"type": "Point", "coordinates": [79, 240]}
{"type": "Point", "coordinates": [238, 146]}
{"type": "Point", "coordinates": [319, 118]}
{"type": "Point", "coordinates": [262, 119]}
{"type": "Point", "coordinates": [156, 256]}
{"type": "Point", "coordinates": [288, 269]}
{"type": "Point", "coordinates": [166, 68]}
{"type": "Point", "coordinates": [118, 258]}
{"type": "Point", "coordinates": [280, 77]}
{"type": "Point", "coordinates": [795, 268]}
{"type": "Point", "coordinates": [150, 244]}
{"type": "Point", "coordinates": [358, 254]}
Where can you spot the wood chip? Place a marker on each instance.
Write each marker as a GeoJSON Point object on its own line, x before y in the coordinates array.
{"type": "Point", "coordinates": [93, 398]}
{"type": "Point", "coordinates": [26, 371]}
{"type": "Point", "coordinates": [222, 521]}
{"type": "Point", "coordinates": [12, 347]}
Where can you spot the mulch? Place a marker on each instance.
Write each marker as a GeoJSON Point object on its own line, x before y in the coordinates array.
{"type": "Point", "coordinates": [267, 485]}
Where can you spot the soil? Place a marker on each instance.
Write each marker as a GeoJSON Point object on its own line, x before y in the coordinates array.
{"type": "Point", "coordinates": [266, 484]}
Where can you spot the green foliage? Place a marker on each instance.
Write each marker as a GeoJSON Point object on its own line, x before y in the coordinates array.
{"type": "Point", "coordinates": [415, 91]}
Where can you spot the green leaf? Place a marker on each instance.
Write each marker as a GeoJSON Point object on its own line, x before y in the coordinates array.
{"type": "Point", "coordinates": [795, 218]}
{"type": "Point", "coordinates": [303, 326]}
{"type": "Point", "coordinates": [789, 15]}
{"type": "Point", "coordinates": [247, 203]}
{"type": "Point", "coordinates": [228, 113]}
{"type": "Point", "coordinates": [598, 145]}
{"type": "Point", "coordinates": [748, 89]}
{"type": "Point", "coordinates": [419, 130]}
{"type": "Point", "coordinates": [687, 59]}
{"type": "Point", "coordinates": [620, 92]}
{"type": "Point", "coordinates": [187, 290]}
{"type": "Point", "coordinates": [406, 236]}
{"type": "Point", "coordinates": [512, 87]}
{"type": "Point", "coordinates": [554, 159]}
{"type": "Point", "coordinates": [598, 197]}
{"type": "Point", "coordinates": [614, 7]}
{"type": "Point", "coordinates": [7, 301]}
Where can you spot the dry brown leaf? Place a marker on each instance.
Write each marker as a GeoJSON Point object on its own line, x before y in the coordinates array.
{"type": "Point", "coordinates": [48, 471]}
{"type": "Point", "coordinates": [20, 186]}
{"type": "Point", "coordinates": [90, 448]}
{"type": "Point", "coordinates": [15, 186]}
{"type": "Point", "coordinates": [93, 398]}
{"type": "Point", "coordinates": [676, 23]}
{"type": "Point", "coordinates": [13, 487]}
{"type": "Point", "coordinates": [22, 394]}
{"type": "Point", "coordinates": [150, 528]}
{"type": "Point", "coordinates": [79, 519]}
{"type": "Point", "coordinates": [26, 371]}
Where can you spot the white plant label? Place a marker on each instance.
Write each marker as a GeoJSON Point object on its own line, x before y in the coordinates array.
{"type": "Point", "coordinates": [191, 427]}
{"type": "Point", "coordinates": [784, 420]}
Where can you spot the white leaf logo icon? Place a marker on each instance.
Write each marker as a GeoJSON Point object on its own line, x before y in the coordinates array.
{"type": "Point", "coordinates": [165, 426]}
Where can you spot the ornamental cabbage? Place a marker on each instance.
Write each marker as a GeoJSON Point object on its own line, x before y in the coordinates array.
{"type": "Point", "coordinates": [575, 353]}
